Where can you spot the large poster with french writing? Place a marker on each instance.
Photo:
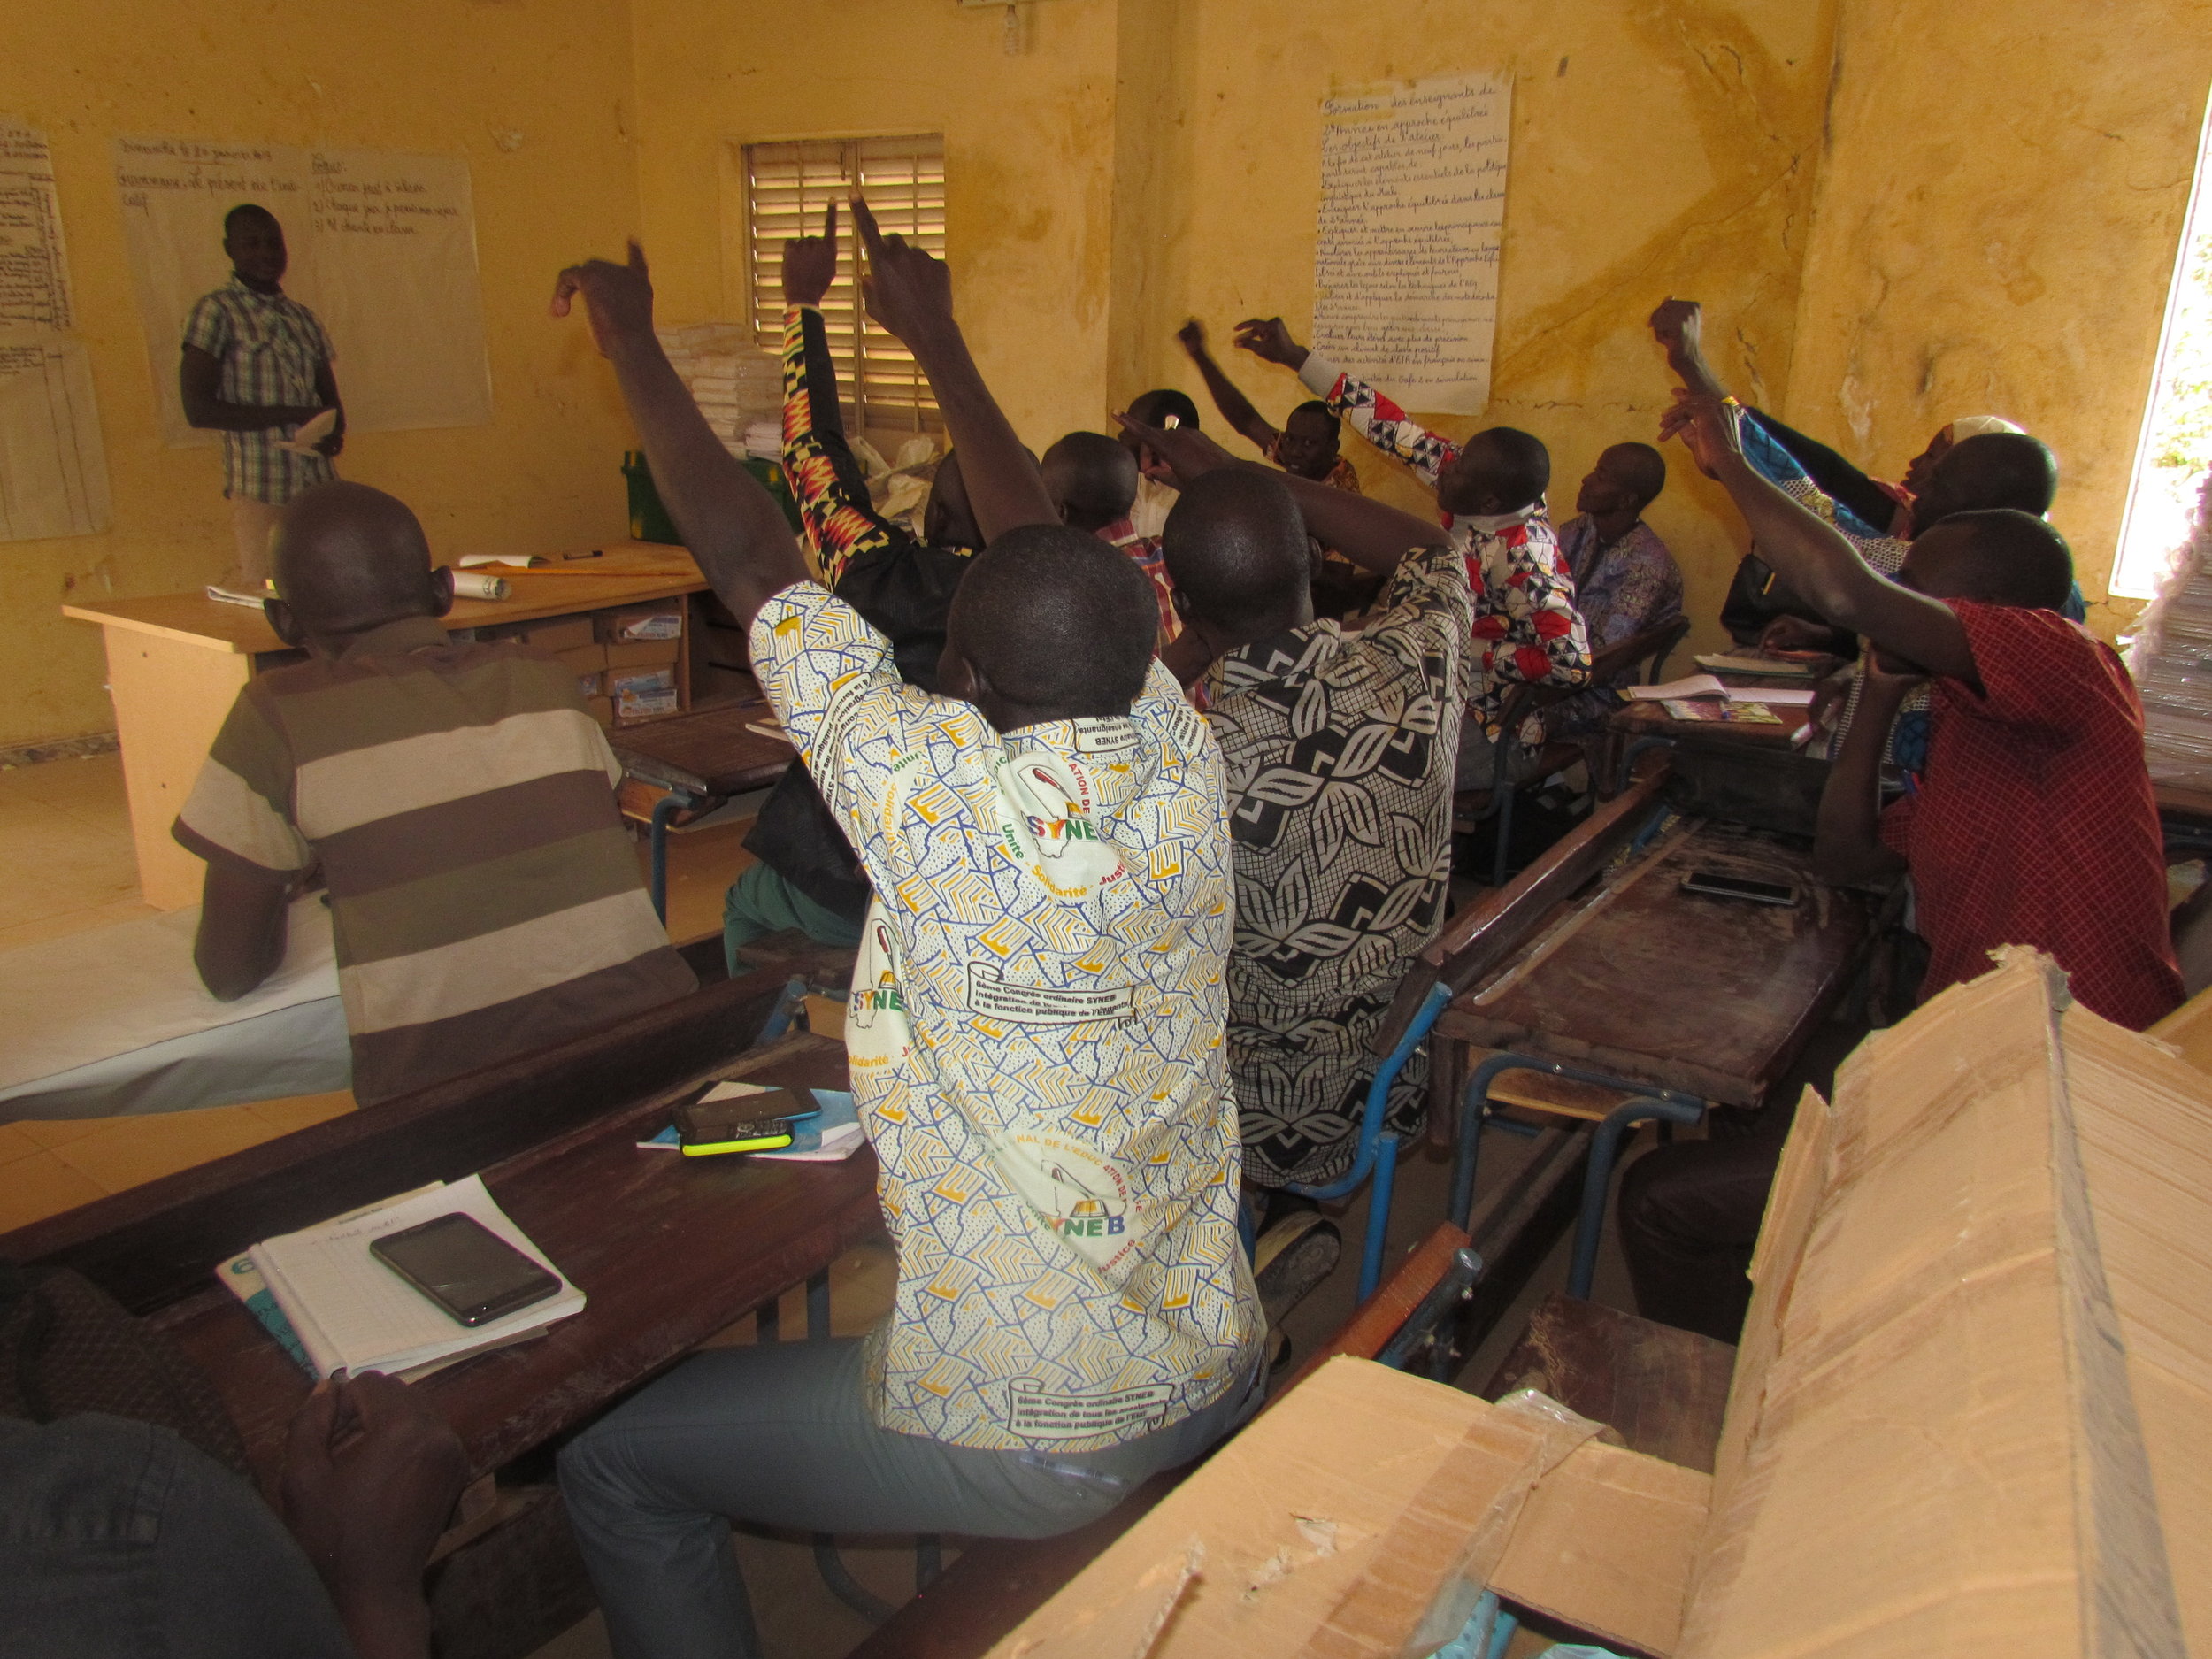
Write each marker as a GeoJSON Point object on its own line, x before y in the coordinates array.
{"type": "Point", "coordinates": [1405, 279]}
{"type": "Point", "coordinates": [382, 248]}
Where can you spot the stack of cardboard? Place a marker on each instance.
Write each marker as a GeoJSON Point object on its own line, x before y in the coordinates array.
{"type": "Point", "coordinates": [2171, 660]}
{"type": "Point", "coordinates": [734, 382]}
{"type": "Point", "coordinates": [1971, 1415]}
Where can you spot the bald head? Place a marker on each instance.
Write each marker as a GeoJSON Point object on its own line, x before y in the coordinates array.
{"type": "Point", "coordinates": [2008, 469]}
{"type": "Point", "coordinates": [1235, 547]}
{"type": "Point", "coordinates": [1055, 622]}
{"type": "Point", "coordinates": [2001, 557]}
{"type": "Point", "coordinates": [1500, 470]}
{"type": "Point", "coordinates": [1092, 479]}
{"type": "Point", "coordinates": [349, 559]}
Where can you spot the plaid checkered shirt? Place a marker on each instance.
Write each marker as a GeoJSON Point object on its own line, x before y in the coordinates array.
{"type": "Point", "coordinates": [270, 346]}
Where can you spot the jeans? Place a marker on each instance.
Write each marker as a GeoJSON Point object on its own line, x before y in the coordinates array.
{"type": "Point", "coordinates": [118, 1539]}
{"type": "Point", "coordinates": [760, 903]}
{"type": "Point", "coordinates": [779, 1435]}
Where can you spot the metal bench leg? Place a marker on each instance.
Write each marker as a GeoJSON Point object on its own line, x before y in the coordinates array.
{"type": "Point", "coordinates": [1372, 1143]}
{"type": "Point", "coordinates": [664, 809]}
{"type": "Point", "coordinates": [1604, 1148]}
{"type": "Point", "coordinates": [1504, 819]}
{"type": "Point", "coordinates": [1421, 1324]}
{"type": "Point", "coordinates": [843, 1585]}
{"type": "Point", "coordinates": [817, 1307]}
{"type": "Point", "coordinates": [929, 1561]}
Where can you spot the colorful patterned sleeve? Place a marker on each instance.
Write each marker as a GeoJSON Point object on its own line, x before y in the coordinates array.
{"type": "Point", "coordinates": [1776, 464]}
{"type": "Point", "coordinates": [1376, 418]}
{"type": "Point", "coordinates": [826, 478]}
{"type": "Point", "coordinates": [1526, 627]}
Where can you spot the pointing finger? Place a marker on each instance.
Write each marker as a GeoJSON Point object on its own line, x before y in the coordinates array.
{"type": "Point", "coordinates": [829, 223]}
{"type": "Point", "coordinates": [871, 238]}
{"type": "Point", "coordinates": [637, 259]}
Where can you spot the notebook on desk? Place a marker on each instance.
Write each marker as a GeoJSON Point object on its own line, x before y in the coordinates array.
{"type": "Point", "coordinates": [350, 1312]}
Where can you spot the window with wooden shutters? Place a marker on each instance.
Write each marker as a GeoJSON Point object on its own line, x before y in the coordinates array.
{"type": "Point", "coordinates": [787, 186]}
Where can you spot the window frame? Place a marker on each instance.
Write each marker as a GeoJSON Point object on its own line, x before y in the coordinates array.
{"type": "Point", "coordinates": [881, 390]}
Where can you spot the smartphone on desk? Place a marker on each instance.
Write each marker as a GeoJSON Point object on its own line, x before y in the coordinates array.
{"type": "Point", "coordinates": [744, 1123]}
{"type": "Point", "coordinates": [1716, 884]}
{"type": "Point", "coordinates": [465, 1268]}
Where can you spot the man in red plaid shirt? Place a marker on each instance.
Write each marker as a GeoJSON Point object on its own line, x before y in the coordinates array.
{"type": "Point", "coordinates": [2034, 822]}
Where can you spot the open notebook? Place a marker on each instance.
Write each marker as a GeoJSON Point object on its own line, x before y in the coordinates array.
{"type": "Point", "coordinates": [351, 1312]}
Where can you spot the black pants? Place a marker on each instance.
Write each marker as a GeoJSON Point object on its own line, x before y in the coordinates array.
{"type": "Point", "coordinates": [1690, 1213]}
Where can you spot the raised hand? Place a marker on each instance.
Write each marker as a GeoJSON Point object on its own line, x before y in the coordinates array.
{"type": "Point", "coordinates": [618, 299]}
{"type": "Point", "coordinates": [1188, 451]}
{"type": "Point", "coordinates": [1192, 337]}
{"type": "Point", "coordinates": [1708, 428]}
{"type": "Point", "coordinates": [1265, 337]}
{"type": "Point", "coordinates": [810, 264]}
{"type": "Point", "coordinates": [1675, 325]}
{"type": "Point", "coordinates": [908, 292]}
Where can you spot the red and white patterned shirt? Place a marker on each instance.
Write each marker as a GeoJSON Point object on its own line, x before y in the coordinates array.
{"type": "Point", "coordinates": [2035, 823]}
{"type": "Point", "coordinates": [1526, 627]}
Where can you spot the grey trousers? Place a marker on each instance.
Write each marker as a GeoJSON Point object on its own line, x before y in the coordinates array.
{"type": "Point", "coordinates": [779, 1435]}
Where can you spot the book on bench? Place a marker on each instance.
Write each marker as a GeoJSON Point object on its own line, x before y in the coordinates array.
{"type": "Point", "coordinates": [350, 1312]}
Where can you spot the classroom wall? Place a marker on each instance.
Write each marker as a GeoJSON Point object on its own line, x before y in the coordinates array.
{"type": "Point", "coordinates": [1029, 160]}
{"type": "Point", "coordinates": [535, 93]}
{"type": "Point", "coordinates": [1999, 216]}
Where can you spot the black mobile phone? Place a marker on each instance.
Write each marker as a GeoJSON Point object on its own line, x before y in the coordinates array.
{"type": "Point", "coordinates": [747, 1123]}
{"type": "Point", "coordinates": [1721, 886]}
{"type": "Point", "coordinates": [465, 1268]}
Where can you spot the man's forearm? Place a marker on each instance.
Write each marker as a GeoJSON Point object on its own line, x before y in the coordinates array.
{"type": "Point", "coordinates": [1005, 490]}
{"type": "Point", "coordinates": [214, 415]}
{"type": "Point", "coordinates": [1370, 532]}
{"type": "Point", "coordinates": [1848, 841]}
{"type": "Point", "coordinates": [1813, 558]}
{"type": "Point", "coordinates": [1235, 407]}
{"type": "Point", "coordinates": [732, 525]}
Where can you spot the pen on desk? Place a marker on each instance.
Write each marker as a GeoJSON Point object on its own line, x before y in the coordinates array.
{"type": "Point", "coordinates": [595, 553]}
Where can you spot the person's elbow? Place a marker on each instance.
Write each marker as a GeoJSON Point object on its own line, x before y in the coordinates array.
{"type": "Point", "coordinates": [228, 977]}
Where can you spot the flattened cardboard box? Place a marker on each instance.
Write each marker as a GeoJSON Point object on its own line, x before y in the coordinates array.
{"type": "Point", "coordinates": [1978, 1358]}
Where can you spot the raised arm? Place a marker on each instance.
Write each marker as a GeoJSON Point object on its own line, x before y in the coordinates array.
{"type": "Point", "coordinates": [731, 524]}
{"type": "Point", "coordinates": [842, 521]}
{"type": "Point", "coordinates": [910, 294]}
{"type": "Point", "coordinates": [1817, 561]}
{"type": "Point", "coordinates": [1235, 407]}
{"type": "Point", "coordinates": [1370, 532]}
{"type": "Point", "coordinates": [1374, 417]}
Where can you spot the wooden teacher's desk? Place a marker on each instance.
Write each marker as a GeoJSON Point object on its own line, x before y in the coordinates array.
{"type": "Point", "coordinates": [176, 663]}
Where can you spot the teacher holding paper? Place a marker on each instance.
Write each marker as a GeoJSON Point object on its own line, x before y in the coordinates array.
{"type": "Point", "coordinates": [257, 368]}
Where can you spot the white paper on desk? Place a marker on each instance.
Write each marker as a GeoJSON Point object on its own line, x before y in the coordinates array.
{"type": "Point", "coordinates": [1708, 686]}
{"type": "Point", "coordinates": [351, 1312]}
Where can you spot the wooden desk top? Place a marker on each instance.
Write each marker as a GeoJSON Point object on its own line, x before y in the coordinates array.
{"type": "Point", "coordinates": [1714, 996]}
{"type": "Point", "coordinates": [1651, 719]}
{"type": "Point", "coordinates": [669, 1250]}
{"type": "Point", "coordinates": [710, 751]}
{"type": "Point", "coordinates": [630, 572]}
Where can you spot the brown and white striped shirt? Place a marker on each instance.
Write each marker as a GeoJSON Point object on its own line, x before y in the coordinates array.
{"type": "Point", "coordinates": [484, 896]}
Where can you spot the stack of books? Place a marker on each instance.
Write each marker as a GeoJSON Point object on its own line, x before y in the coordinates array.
{"type": "Point", "coordinates": [336, 1308]}
{"type": "Point", "coordinates": [2171, 660]}
{"type": "Point", "coordinates": [735, 383]}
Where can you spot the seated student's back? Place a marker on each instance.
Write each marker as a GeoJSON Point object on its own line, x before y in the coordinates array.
{"type": "Point", "coordinates": [459, 801]}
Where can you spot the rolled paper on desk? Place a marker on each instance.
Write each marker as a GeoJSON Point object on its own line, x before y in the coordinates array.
{"type": "Point", "coordinates": [475, 585]}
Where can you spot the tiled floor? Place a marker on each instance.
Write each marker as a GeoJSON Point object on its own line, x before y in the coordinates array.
{"type": "Point", "coordinates": [66, 848]}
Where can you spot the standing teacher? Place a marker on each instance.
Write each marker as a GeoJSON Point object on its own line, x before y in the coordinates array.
{"type": "Point", "coordinates": [257, 366]}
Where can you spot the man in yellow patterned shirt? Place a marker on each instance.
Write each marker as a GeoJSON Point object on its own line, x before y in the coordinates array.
{"type": "Point", "coordinates": [1036, 1040]}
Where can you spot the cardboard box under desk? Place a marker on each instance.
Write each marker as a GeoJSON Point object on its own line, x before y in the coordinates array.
{"type": "Point", "coordinates": [642, 653]}
{"type": "Point", "coordinates": [557, 634]}
{"type": "Point", "coordinates": [1971, 1414]}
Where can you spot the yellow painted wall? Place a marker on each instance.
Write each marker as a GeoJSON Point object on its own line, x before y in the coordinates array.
{"type": "Point", "coordinates": [1996, 231]}
{"type": "Point", "coordinates": [448, 76]}
{"type": "Point", "coordinates": [1029, 146]}
{"type": "Point", "coordinates": [1895, 213]}
{"type": "Point", "coordinates": [1656, 149]}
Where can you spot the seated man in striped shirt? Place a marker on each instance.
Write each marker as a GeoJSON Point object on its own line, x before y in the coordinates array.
{"type": "Point", "coordinates": [457, 798]}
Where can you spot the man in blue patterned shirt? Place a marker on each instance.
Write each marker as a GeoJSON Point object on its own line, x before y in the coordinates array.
{"type": "Point", "coordinates": [1036, 1037]}
{"type": "Point", "coordinates": [257, 366]}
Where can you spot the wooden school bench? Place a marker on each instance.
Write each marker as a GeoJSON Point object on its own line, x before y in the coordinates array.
{"type": "Point", "coordinates": [669, 1251]}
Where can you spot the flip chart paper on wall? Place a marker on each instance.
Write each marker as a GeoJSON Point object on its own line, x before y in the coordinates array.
{"type": "Point", "coordinates": [383, 250]}
{"type": "Point", "coordinates": [53, 471]}
{"type": "Point", "coordinates": [1406, 254]}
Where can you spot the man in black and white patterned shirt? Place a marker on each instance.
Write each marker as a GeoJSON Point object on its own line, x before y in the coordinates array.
{"type": "Point", "coordinates": [1339, 752]}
